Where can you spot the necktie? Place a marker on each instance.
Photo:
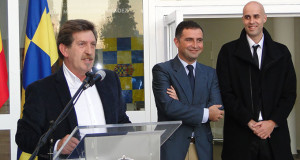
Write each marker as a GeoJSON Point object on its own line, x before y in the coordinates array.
{"type": "Point", "coordinates": [191, 76]}
{"type": "Point", "coordinates": [255, 57]}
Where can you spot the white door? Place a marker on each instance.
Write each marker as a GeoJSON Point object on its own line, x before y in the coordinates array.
{"type": "Point", "coordinates": [170, 23]}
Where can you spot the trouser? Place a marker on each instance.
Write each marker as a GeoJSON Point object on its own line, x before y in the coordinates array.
{"type": "Point", "coordinates": [192, 153]}
{"type": "Point", "coordinates": [261, 149]}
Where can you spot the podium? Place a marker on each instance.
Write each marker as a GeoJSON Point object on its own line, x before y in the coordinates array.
{"type": "Point", "coordinates": [132, 141]}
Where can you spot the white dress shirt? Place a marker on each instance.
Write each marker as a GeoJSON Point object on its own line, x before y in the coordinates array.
{"type": "Point", "coordinates": [89, 109]}
{"type": "Point", "coordinates": [259, 49]}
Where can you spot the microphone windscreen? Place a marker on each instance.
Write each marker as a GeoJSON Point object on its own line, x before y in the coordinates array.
{"type": "Point", "coordinates": [100, 74]}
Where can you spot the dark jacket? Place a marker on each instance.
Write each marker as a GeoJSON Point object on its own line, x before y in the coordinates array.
{"type": "Point", "coordinates": [46, 98]}
{"type": "Point", "coordinates": [277, 80]}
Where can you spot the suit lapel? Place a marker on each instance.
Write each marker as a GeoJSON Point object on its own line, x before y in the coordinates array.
{"type": "Point", "coordinates": [265, 58]}
{"type": "Point", "coordinates": [65, 96]}
{"type": "Point", "coordinates": [200, 84]}
{"type": "Point", "coordinates": [182, 78]}
{"type": "Point", "coordinates": [271, 53]}
{"type": "Point", "coordinates": [243, 51]}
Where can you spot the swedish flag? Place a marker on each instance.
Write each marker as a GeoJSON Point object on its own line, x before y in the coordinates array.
{"type": "Point", "coordinates": [40, 48]}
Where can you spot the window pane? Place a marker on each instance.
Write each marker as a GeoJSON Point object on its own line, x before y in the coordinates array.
{"type": "Point", "coordinates": [120, 46]}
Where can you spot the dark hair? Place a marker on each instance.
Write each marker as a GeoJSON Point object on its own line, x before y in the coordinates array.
{"type": "Point", "coordinates": [186, 25]}
{"type": "Point", "coordinates": [65, 35]}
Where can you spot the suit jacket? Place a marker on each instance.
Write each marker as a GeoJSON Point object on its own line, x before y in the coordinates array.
{"type": "Point", "coordinates": [189, 109]}
{"type": "Point", "coordinates": [46, 98]}
{"type": "Point", "coordinates": [236, 72]}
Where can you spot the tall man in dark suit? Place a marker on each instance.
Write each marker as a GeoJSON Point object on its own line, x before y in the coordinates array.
{"type": "Point", "coordinates": [45, 99]}
{"type": "Point", "coordinates": [193, 95]}
{"type": "Point", "coordinates": [258, 87]}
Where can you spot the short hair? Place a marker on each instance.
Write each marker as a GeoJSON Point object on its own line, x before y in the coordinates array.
{"type": "Point", "coordinates": [65, 35]}
{"type": "Point", "coordinates": [186, 25]}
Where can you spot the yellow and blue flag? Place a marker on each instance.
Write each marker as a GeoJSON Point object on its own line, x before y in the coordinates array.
{"type": "Point", "coordinates": [40, 49]}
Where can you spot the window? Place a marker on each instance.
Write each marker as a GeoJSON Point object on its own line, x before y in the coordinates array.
{"type": "Point", "coordinates": [120, 45]}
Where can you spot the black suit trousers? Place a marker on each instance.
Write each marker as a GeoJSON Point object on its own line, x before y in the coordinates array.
{"type": "Point", "coordinates": [261, 149]}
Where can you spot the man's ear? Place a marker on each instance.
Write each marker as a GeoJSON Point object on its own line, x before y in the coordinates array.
{"type": "Point", "coordinates": [63, 49]}
{"type": "Point", "coordinates": [176, 41]}
{"type": "Point", "coordinates": [265, 18]}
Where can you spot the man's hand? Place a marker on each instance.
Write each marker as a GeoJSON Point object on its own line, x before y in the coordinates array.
{"type": "Point", "coordinates": [251, 124]}
{"type": "Point", "coordinates": [215, 114]}
{"type": "Point", "coordinates": [73, 142]}
{"type": "Point", "coordinates": [172, 93]}
{"type": "Point", "coordinates": [264, 128]}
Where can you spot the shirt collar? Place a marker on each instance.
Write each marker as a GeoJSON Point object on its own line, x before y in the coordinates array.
{"type": "Point", "coordinates": [185, 64]}
{"type": "Point", "coordinates": [70, 77]}
{"type": "Point", "coordinates": [251, 42]}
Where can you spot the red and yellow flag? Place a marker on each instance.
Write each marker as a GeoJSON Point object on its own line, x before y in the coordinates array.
{"type": "Point", "coordinates": [3, 76]}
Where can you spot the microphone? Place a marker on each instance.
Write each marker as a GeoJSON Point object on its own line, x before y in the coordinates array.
{"type": "Point", "coordinates": [91, 78]}
{"type": "Point", "coordinates": [99, 75]}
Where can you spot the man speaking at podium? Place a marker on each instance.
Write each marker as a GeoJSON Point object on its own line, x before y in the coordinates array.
{"type": "Point", "coordinates": [45, 99]}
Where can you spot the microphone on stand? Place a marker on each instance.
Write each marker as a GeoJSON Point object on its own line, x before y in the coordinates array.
{"type": "Point", "coordinates": [99, 75]}
{"type": "Point", "coordinates": [91, 78]}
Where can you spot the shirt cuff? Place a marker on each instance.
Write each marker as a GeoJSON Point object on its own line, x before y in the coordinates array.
{"type": "Point", "coordinates": [55, 149]}
{"type": "Point", "coordinates": [205, 115]}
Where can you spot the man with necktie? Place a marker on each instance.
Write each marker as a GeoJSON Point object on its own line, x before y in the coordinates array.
{"type": "Point", "coordinates": [188, 91]}
{"type": "Point", "coordinates": [258, 87]}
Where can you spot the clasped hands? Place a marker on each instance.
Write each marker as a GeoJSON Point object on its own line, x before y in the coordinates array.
{"type": "Point", "coordinates": [215, 114]}
{"type": "Point", "coordinates": [262, 129]}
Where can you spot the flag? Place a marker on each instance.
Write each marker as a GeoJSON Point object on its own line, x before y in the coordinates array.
{"type": "Point", "coordinates": [3, 76]}
{"type": "Point", "coordinates": [40, 51]}
{"type": "Point", "coordinates": [40, 45]}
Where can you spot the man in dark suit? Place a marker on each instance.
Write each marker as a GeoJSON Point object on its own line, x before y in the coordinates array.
{"type": "Point", "coordinates": [193, 95]}
{"type": "Point", "coordinates": [45, 99]}
{"type": "Point", "coordinates": [258, 87]}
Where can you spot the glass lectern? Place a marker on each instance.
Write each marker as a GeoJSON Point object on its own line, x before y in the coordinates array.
{"type": "Point", "coordinates": [135, 141]}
